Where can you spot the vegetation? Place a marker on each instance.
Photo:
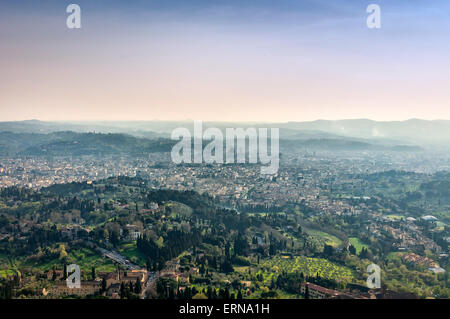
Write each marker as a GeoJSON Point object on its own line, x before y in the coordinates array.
{"type": "Point", "coordinates": [219, 253]}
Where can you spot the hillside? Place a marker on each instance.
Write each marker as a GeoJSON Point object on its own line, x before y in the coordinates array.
{"type": "Point", "coordinates": [78, 144]}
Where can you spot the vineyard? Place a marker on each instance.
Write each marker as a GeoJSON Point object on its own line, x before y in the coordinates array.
{"type": "Point", "coordinates": [308, 266]}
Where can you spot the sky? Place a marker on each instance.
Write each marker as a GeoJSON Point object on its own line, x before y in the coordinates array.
{"type": "Point", "coordinates": [260, 60]}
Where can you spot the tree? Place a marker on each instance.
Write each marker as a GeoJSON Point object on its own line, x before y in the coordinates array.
{"type": "Point", "coordinates": [209, 293]}
{"type": "Point", "coordinates": [226, 294]}
{"type": "Point", "coordinates": [62, 252]}
{"type": "Point", "coordinates": [93, 274]}
{"type": "Point", "coordinates": [106, 233]}
{"type": "Point", "coordinates": [114, 237]}
{"type": "Point", "coordinates": [352, 250]}
{"type": "Point", "coordinates": [54, 274]}
{"type": "Point", "coordinates": [65, 271]}
{"type": "Point", "coordinates": [130, 286]}
{"type": "Point", "coordinates": [103, 284]}
{"type": "Point", "coordinates": [260, 277]}
{"type": "Point", "coordinates": [306, 292]}
{"type": "Point", "coordinates": [187, 293]}
{"type": "Point", "coordinates": [122, 291]}
{"type": "Point", "coordinates": [328, 250]}
{"type": "Point", "coordinates": [241, 246]}
{"type": "Point", "coordinates": [364, 253]}
{"type": "Point", "coordinates": [227, 267]}
{"type": "Point", "coordinates": [137, 286]}
{"type": "Point", "coordinates": [227, 250]}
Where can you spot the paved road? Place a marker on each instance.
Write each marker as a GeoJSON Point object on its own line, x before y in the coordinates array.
{"type": "Point", "coordinates": [153, 277]}
{"type": "Point", "coordinates": [170, 266]}
{"type": "Point", "coordinates": [151, 283]}
{"type": "Point", "coordinates": [117, 257]}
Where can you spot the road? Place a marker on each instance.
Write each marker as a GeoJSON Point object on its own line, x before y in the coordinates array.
{"type": "Point", "coordinates": [170, 266]}
{"type": "Point", "coordinates": [118, 258]}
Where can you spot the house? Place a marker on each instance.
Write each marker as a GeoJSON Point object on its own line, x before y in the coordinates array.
{"type": "Point", "coordinates": [115, 279]}
{"type": "Point", "coordinates": [429, 218]}
{"type": "Point", "coordinates": [110, 278]}
{"type": "Point", "coordinates": [259, 240]}
{"type": "Point", "coordinates": [134, 235]}
{"type": "Point", "coordinates": [133, 232]}
{"type": "Point", "coordinates": [419, 260]}
{"type": "Point", "coordinates": [59, 274]}
{"type": "Point", "coordinates": [113, 290]}
{"type": "Point", "coordinates": [134, 275]}
{"type": "Point", "coordinates": [182, 278]}
{"type": "Point", "coordinates": [87, 288]}
{"type": "Point", "coordinates": [318, 292]}
{"type": "Point", "coordinates": [437, 270]}
{"type": "Point", "coordinates": [69, 232]}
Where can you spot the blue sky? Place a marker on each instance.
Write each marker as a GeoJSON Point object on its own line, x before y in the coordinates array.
{"type": "Point", "coordinates": [224, 60]}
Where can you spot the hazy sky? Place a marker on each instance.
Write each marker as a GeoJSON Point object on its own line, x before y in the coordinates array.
{"type": "Point", "coordinates": [259, 60]}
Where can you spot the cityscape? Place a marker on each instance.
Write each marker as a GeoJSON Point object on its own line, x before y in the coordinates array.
{"type": "Point", "coordinates": [317, 223]}
{"type": "Point", "coordinates": [213, 158]}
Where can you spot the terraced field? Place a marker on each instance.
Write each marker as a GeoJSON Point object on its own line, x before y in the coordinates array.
{"type": "Point", "coordinates": [325, 238]}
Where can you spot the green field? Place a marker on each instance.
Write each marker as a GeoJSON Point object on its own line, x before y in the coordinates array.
{"type": "Point", "coordinates": [83, 257]}
{"type": "Point", "coordinates": [132, 253]}
{"type": "Point", "coordinates": [357, 244]}
{"type": "Point", "coordinates": [87, 259]}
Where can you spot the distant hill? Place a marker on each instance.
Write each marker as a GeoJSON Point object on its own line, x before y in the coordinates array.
{"type": "Point", "coordinates": [40, 127]}
{"type": "Point", "coordinates": [413, 131]}
{"type": "Point", "coordinates": [344, 144]}
{"type": "Point", "coordinates": [401, 135]}
{"type": "Point", "coordinates": [77, 144]}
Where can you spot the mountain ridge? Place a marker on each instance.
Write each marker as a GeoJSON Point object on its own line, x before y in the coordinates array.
{"type": "Point", "coordinates": [411, 131]}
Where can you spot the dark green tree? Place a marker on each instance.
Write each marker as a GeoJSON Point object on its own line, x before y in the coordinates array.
{"type": "Point", "coordinates": [137, 286]}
